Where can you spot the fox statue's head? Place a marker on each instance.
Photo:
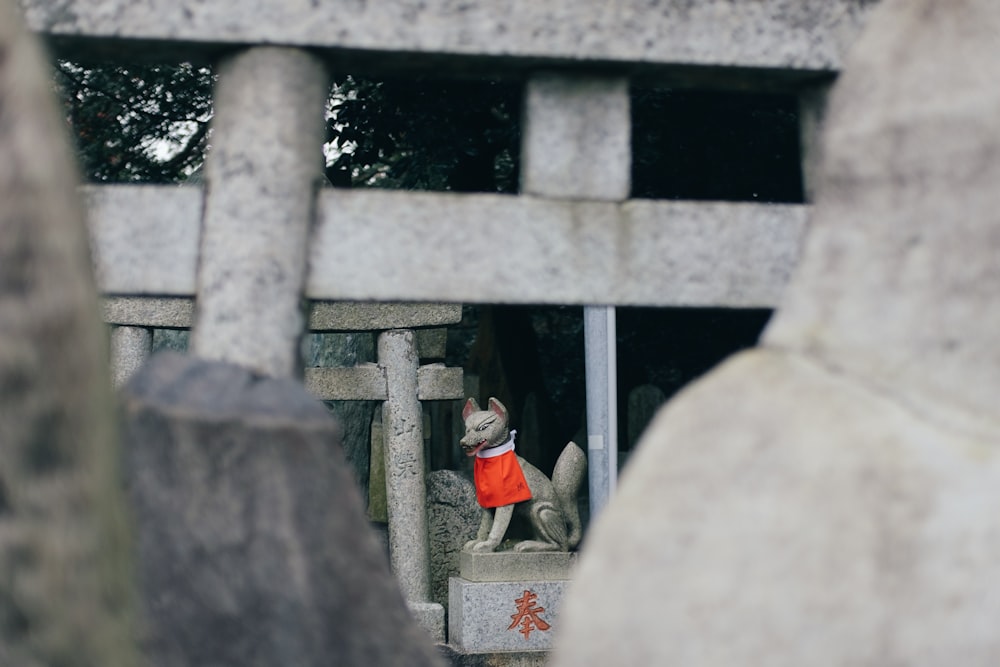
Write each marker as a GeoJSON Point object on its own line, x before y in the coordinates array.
{"type": "Point", "coordinates": [484, 428]}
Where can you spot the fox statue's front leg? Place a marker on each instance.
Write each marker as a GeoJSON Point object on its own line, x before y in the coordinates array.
{"type": "Point", "coordinates": [492, 528]}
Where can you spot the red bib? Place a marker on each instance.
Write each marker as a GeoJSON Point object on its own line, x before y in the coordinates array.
{"type": "Point", "coordinates": [499, 480]}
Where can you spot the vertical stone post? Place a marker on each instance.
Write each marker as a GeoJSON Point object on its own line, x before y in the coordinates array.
{"type": "Point", "coordinates": [130, 347]}
{"type": "Point", "coordinates": [577, 137]}
{"type": "Point", "coordinates": [260, 200]}
{"type": "Point", "coordinates": [812, 111]}
{"type": "Point", "coordinates": [405, 480]}
{"type": "Point", "coordinates": [577, 144]}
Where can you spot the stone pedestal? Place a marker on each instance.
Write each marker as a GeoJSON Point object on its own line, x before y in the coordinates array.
{"type": "Point", "coordinates": [429, 616]}
{"type": "Point", "coordinates": [507, 601]}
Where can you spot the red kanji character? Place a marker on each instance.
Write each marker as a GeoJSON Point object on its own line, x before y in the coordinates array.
{"type": "Point", "coordinates": [527, 615]}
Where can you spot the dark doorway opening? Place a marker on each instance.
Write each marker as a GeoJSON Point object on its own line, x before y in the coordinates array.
{"type": "Point", "coordinates": [715, 146]}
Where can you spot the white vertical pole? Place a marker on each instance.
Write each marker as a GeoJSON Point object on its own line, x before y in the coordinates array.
{"type": "Point", "coordinates": [602, 404]}
{"type": "Point", "coordinates": [612, 385]}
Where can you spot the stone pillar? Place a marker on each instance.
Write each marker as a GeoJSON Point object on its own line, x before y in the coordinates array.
{"type": "Point", "coordinates": [812, 111]}
{"type": "Point", "coordinates": [130, 347]}
{"type": "Point", "coordinates": [405, 485]}
{"type": "Point", "coordinates": [260, 199]}
{"type": "Point", "coordinates": [577, 144]}
{"type": "Point", "coordinates": [577, 137]}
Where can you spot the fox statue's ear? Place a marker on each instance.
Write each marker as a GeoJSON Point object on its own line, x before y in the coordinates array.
{"type": "Point", "coordinates": [497, 408]}
{"type": "Point", "coordinates": [470, 407]}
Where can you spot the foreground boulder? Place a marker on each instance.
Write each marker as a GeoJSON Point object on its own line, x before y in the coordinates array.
{"type": "Point", "coordinates": [65, 585]}
{"type": "Point", "coordinates": [254, 549]}
{"type": "Point", "coordinates": [828, 499]}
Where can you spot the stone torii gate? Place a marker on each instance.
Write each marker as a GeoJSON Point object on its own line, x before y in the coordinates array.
{"type": "Point", "coordinates": [573, 235]}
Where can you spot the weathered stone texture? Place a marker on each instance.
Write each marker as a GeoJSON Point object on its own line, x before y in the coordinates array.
{"type": "Point", "coordinates": [805, 35]}
{"type": "Point", "coordinates": [253, 545]}
{"type": "Point", "coordinates": [65, 588]}
{"type": "Point", "coordinates": [577, 137]}
{"type": "Point", "coordinates": [405, 469]}
{"type": "Point", "coordinates": [433, 343]}
{"type": "Point", "coordinates": [341, 316]}
{"type": "Point", "coordinates": [172, 313]}
{"type": "Point", "coordinates": [640, 252]}
{"type": "Point", "coordinates": [481, 614]}
{"type": "Point", "coordinates": [437, 382]}
{"type": "Point", "coordinates": [516, 566]}
{"type": "Point", "coordinates": [261, 187]}
{"type": "Point", "coordinates": [828, 499]}
{"type": "Point", "coordinates": [378, 512]}
{"type": "Point", "coordinates": [368, 382]}
{"type": "Point", "coordinates": [324, 316]}
{"type": "Point", "coordinates": [899, 279]}
{"type": "Point", "coordinates": [362, 382]}
{"type": "Point", "coordinates": [452, 520]}
{"type": "Point", "coordinates": [406, 491]}
{"type": "Point", "coordinates": [130, 347]}
{"type": "Point", "coordinates": [145, 238]}
{"type": "Point", "coordinates": [499, 659]}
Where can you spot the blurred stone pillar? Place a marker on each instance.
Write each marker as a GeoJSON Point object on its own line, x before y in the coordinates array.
{"type": "Point", "coordinates": [130, 348]}
{"type": "Point", "coordinates": [66, 588]}
{"type": "Point", "coordinates": [261, 180]}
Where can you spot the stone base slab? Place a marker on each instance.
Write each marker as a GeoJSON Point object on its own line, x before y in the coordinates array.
{"type": "Point", "coordinates": [456, 658]}
{"type": "Point", "coordinates": [514, 566]}
{"type": "Point", "coordinates": [429, 616]}
{"type": "Point", "coordinates": [494, 616]}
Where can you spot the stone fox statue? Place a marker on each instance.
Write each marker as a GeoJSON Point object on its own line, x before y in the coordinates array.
{"type": "Point", "coordinates": [505, 481]}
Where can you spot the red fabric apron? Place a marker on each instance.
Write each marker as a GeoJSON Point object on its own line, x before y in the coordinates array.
{"type": "Point", "coordinates": [498, 477]}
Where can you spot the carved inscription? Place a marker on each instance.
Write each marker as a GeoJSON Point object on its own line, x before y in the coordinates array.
{"type": "Point", "coordinates": [528, 615]}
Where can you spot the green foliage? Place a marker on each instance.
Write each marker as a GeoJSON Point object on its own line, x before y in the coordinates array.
{"type": "Point", "coordinates": [151, 124]}
{"type": "Point", "coordinates": [424, 134]}
{"type": "Point", "coordinates": [137, 123]}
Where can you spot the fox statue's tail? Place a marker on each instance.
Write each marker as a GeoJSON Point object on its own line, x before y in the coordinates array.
{"type": "Point", "coordinates": [567, 476]}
